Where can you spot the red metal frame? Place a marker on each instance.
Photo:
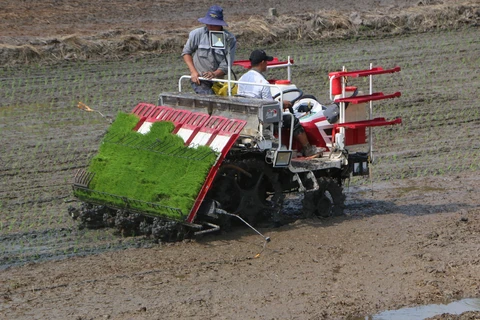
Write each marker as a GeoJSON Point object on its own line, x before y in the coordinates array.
{"type": "Point", "coordinates": [212, 127]}
{"type": "Point", "coordinates": [233, 126]}
{"type": "Point", "coordinates": [143, 109]}
{"type": "Point", "coordinates": [356, 133]}
{"type": "Point", "coordinates": [365, 73]}
{"type": "Point", "coordinates": [160, 113]}
{"type": "Point", "coordinates": [369, 97]}
{"type": "Point", "coordinates": [361, 125]}
{"type": "Point", "coordinates": [247, 64]}
{"type": "Point", "coordinates": [194, 122]}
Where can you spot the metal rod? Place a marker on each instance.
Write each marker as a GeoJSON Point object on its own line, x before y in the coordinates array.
{"type": "Point", "coordinates": [213, 228]}
{"type": "Point", "coordinates": [370, 131]}
{"type": "Point", "coordinates": [220, 211]}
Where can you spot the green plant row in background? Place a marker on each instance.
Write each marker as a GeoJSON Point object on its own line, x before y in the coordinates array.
{"type": "Point", "coordinates": [153, 173]}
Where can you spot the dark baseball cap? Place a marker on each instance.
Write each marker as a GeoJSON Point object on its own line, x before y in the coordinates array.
{"type": "Point", "coordinates": [258, 56]}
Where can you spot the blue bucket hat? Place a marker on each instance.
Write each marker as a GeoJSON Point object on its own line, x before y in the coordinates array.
{"type": "Point", "coordinates": [214, 17]}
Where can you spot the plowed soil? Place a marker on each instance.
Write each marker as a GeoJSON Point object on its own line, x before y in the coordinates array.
{"type": "Point", "coordinates": [411, 231]}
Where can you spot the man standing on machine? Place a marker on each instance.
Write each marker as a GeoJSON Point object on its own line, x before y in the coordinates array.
{"type": "Point", "coordinates": [201, 59]}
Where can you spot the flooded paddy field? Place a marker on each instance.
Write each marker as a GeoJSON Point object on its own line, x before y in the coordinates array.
{"type": "Point", "coordinates": [410, 235]}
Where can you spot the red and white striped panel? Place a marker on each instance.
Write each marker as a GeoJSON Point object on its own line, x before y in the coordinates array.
{"type": "Point", "coordinates": [208, 131]}
{"type": "Point", "coordinates": [191, 126]}
{"type": "Point", "coordinates": [178, 117]}
{"type": "Point", "coordinates": [143, 109]}
{"type": "Point", "coordinates": [222, 138]}
{"type": "Point", "coordinates": [159, 113]}
{"type": "Point", "coordinates": [195, 128]}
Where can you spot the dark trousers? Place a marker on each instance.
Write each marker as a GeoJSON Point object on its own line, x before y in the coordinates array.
{"type": "Point", "coordinates": [205, 87]}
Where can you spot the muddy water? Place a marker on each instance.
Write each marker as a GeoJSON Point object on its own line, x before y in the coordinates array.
{"type": "Point", "coordinates": [41, 153]}
{"type": "Point", "coordinates": [55, 244]}
{"type": "Point", "coordinates": [423, 312]}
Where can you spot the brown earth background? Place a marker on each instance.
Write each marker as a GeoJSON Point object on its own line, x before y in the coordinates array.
{"type": "Point", "coordinates": [410, 235]}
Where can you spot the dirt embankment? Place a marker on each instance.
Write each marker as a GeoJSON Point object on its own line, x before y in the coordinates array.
{"type": "Point", "coordinates": [78, 31]}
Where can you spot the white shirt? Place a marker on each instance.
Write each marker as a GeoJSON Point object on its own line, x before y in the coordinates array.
{"type": "Point", "coordinates": [251, 90]}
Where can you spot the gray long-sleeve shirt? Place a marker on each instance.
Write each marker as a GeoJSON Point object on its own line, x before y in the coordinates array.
{"type": "Point", "coordinates": [205, 58]}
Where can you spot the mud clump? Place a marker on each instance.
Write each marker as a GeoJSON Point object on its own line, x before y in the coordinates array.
{"type": "Point", "coordinates": [127, 223]}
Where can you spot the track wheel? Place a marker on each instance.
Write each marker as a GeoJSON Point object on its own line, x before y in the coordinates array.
{"type": "Point", "coordinates": [252, 199]}
{"type": "Point", "coordinates": [241, 188]}
{"type": "Point", "coordinates": [327, 201]}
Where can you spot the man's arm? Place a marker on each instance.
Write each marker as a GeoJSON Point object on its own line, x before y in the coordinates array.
{"type": "Point", "coordinates": [191, 46]}
{"type": "Point", "coordinates": [193, 72]}
{"type": "Point", "coordinates": [213, 74]}
{"type": "Point", "coordinates": [267, 94]}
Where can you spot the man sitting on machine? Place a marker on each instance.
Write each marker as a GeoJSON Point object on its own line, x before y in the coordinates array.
{"type": "Point", "coordinates": [259, 61]}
